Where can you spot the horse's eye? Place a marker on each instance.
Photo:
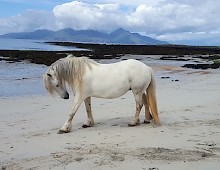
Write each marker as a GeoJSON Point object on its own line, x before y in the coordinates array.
{"type": "Point", "coordinates": [57, 85]}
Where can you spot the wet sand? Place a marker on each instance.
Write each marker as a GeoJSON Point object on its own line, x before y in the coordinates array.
{"type": "Point", "coordinates": [188, 138]}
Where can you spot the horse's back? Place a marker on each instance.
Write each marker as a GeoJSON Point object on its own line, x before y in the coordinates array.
{"type": "Point", "coordinates": [135, 65]}
{"type": "Point", "coordinates": [127, 69]}
{"type": "Point", "coordinates": [130, 65]}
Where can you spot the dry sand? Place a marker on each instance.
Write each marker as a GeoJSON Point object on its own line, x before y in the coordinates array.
{"type": "Point", "coordinates": [189, 137]}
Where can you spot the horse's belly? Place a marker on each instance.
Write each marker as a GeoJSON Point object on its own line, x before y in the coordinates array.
{"type": "Point", "coordinates": [111, 94]}
{"type": "Point", "coordinates": [105, 90]}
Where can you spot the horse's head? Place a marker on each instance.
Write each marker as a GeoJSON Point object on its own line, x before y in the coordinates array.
{"type": "Point", "coordinates": [53, 84]}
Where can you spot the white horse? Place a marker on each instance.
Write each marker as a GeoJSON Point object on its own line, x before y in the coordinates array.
{"type": "Point", "coordinates": [88, 78]}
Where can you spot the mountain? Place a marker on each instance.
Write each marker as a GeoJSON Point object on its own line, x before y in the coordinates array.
{"type": "Point", "coordinates": [119, 36]}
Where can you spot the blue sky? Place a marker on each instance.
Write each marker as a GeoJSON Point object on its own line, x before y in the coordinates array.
{"type": "Point", "coordinates": [15, 7]}
{"type": "Point", "coordinates": [194, 22]}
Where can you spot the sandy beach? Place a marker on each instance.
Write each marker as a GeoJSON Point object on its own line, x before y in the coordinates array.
{"type": "Point", "coordinates": [188, 138]}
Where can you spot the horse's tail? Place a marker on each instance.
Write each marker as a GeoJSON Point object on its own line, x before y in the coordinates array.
{"type": "Point", "coordinates": [151, 98]}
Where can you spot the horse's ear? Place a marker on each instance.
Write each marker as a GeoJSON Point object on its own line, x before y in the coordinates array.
{"type": "Point", "coordinates": [69, 56]}
{"type": "Point", "coordinates": [49, 75]}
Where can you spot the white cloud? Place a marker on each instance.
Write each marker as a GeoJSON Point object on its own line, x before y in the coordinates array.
{"type": "Point", "coordinates": [30, 20]}
{"type": "Point", "coordinates": [151, 16]}
{"type": "Point", "coordinates": [79, 15]}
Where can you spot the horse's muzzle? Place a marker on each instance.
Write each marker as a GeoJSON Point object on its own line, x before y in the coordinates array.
{"type": "Point", "coordinates": [66, 96]}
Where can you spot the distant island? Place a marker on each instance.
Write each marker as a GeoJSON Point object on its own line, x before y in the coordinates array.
{"type": "Point", "coordinates": [119, 36]}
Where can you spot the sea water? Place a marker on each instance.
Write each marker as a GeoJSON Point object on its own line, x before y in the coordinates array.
{"type": "Point", "coordinates": [21, 79]}
{"type": "Point", "coordinates": [24, 78]}
{"type": "Point", "coordinates": [24, 44]}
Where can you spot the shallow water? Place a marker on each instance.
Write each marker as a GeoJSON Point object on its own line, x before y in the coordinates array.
{"type": "Point", "coordinates": [24, 44]}
{"type": "Point", "coordinates": [21, 79]}
{"type": "Point", "coordinates": [24, 78]}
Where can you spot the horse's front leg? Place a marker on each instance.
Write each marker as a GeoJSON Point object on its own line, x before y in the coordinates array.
{"type": "Point", "coordinates": [68, 124]}
{"type": "Point", "coordinates": [90, 121]}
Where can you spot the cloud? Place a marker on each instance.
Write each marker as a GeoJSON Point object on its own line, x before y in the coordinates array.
{"type": "Point", "coordinates": [160, 16]}
{"type": "Point", "coordinates": [30, 20]}
{"type": "Point", "coordinates": [79, 15]}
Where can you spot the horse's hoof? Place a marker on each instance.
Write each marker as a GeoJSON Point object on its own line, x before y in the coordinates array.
{"type": "Point", "coordinates": [131, 125]}
{"type": "Point", "coordinates": [135, 124]}
{"type": "Point", "coordinates": [62, 131]}
{"type": "Point", "coordinates": [85, 126]}
{"type": "Point", "coordinates": [146, 121]}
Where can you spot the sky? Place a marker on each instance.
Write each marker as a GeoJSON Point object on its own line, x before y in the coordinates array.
{"type": "Point", "coordinates": [190, 22]}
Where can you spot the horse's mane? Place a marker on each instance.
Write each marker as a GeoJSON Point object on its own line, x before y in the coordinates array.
{"type": "Point", "coordinates": [69, 69]}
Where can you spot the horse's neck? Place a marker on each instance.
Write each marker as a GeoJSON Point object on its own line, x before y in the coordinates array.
{"type": "Point", "coordinates": [73, 73]}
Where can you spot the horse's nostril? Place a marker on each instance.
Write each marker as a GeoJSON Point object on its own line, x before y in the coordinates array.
{"type": "Point", "coordinates": [66, 96]}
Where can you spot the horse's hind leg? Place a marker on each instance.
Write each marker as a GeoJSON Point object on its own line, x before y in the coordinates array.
{"type": "Point", "coordinates": [148, 116]}
{"type": "Point", "coordinates": [139, 104]}
{"type": "Point", "coordinates": [90, 121]}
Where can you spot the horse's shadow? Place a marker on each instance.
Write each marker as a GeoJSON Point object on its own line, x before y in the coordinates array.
{"type": "Point", "coordinates": [113, 122]}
